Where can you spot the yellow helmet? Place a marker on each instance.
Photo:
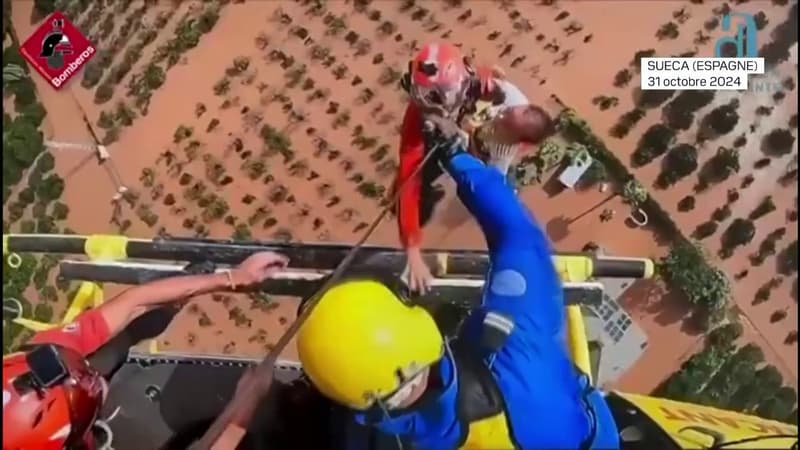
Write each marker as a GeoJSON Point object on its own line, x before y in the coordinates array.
{"type": "Point", "coordinates": [361, 339]}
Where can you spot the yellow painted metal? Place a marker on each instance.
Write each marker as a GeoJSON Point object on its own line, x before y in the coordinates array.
{"type": "Point", "coordinates": [576, 269]}
{"type": "Point", "coordinates": [649, 268]}
{"type": "Point", "coordinates": [89, 294]}
{"type": "Point", "coordinates": [578, 343]}
{"type": "Point", "coordinates": [573, 268]}
{"type": "Point", "coordinates": [34, 325]}
{"type": "Point", "coordinates": [106, 247]}
{"type": "Point", "coordinates": [674, 418]}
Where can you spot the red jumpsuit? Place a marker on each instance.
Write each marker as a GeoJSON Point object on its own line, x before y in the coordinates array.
{"type": "Point", "coordinates": [85, 334]}
{"type": "Point", "coordinates": [412, 152]}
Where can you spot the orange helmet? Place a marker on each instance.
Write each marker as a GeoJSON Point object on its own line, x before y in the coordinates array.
{"type": "Point", "coordinates": [51, 399]}
{"type": "Point", "coordinates": [439, 77]}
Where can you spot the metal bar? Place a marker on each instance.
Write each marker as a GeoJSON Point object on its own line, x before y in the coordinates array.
{"type": "Point", "coordinates": [464, 292]}
{"type": "Point", "coordinates": [322, 256]}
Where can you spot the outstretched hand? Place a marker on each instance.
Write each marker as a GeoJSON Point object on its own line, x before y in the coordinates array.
{"type": "Point", "coordinates": [257, 268]}
{"type": "Point", "coordinates": [418, 272]}
{"type": "Point", "coordinates": [442, 128]}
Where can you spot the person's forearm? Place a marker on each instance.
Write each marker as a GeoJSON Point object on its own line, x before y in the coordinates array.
{"type": "Point", "coordinates": [408, 200]}
{"type": "Point", "coordinates": [409, 182]}
{"type": "Point", "coordinates": [174, 289]}
{"type": "Point", "coordinates": [408, 221]}
{"type": "Point", "coordinates": [127, 306]}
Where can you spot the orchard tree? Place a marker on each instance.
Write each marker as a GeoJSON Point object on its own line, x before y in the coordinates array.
{"type": "Point", "coordinates": [639, 55]}
{"type": "Point", "coordinates": [778, 142]}
{"type": "Point", "coordinates": [779, 405]}
{"type": "Point", "coordinates": [103, 93]}
{"type": "Point", "coordinates": [33, 113]}
{"type": "Point", "coordinates": [669, 30]}
{"type": "Point", "coordinates": [92, 73]}
{"type": "Point", "coordinates": [622, 78]}
{"type": "Point", "coordinates": [679, 118]}
{"type": "Point", "coordinates": [634, 193]}
{"type": "Point", "coordinates": [787, 259]}
{"type": "Point", "coordinates": [653, 98]}
{"type": "Point", "coordinates": [654, 143]}
{"type": "Point", "coordinates": [705, 229]}
{"type": "Point", "coordinates": [686, 203]}
{"type": "Point", "coordinates": [720, 167]}
{"type": "Point", "coordinates": [50, 188]}
{"type": "Point", "coordinates": [737, 371]}
{"type": "Point", "coordinates": [686, 268]}
{"type": "Point", "coordinates": [22, 140]}
{"type": "Point", "coordinates": [692, 101]}
{"type": "Point", "coordinates": [739, 232]}
{"type": "Point", "coordinates": [721, 120]}
{"type": "Point", "coordinates": [679, 163]}
{"type": "Point", "coordinates": [764, 384]}
{"type": "Point", "coordinates": [764, 207]}
{"type": "Point", "coordinates": [44, 7]}
{"type": "Point", "coordinates": [724, 335]}
{"type": "Point", "coordinates": [154, 76]}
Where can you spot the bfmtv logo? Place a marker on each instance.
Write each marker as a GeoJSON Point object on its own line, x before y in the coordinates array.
{"type": "Point", "coordinates": [744, 39]}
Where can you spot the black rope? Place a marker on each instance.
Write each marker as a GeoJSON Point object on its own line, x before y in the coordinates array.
{"type": "Point", "coordinates": [337, 273]}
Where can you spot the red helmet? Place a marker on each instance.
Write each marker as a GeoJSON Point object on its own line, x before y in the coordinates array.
{"type": "Point", "coordinates": [54, 417]}
{"type": "Point", "coordinates": [439, 77]}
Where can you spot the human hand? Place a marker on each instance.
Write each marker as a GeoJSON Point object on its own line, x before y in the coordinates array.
{"type": "Point", "coordinates": [419, 274]}
{"type": "Point", "coordinates": [257, 268]}
{"type": "Point", "coordinates": [442, 128]}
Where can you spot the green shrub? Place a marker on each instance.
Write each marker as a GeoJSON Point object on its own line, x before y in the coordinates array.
{"type": "Point", "coordinates": [34, 113]}
{"type": "Point", "coordinates": [50, 188]}
{"type": "Point", "coordinates": [39, 210]}
{"type": "Point", "coordinates": [103, 93]}
{"type": "Point", "coordinates": [27, 196]}
{"type": "Point", "coordinates": [27, 226]}
{"type": "Point", "coordinates": [60, 211]}
{"type": "Point", "coordinates": [46, 163]}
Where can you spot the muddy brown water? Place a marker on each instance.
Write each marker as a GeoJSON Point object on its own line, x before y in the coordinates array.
{"type": "Point", "coordinates": [570, 217]}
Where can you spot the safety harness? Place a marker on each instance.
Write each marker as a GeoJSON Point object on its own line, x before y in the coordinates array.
{"type": "Point", "coordinates": [479, 396]}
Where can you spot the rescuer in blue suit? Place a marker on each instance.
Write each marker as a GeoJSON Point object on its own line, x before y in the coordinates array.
{"type": "Point", "coordinates": [505, 382]}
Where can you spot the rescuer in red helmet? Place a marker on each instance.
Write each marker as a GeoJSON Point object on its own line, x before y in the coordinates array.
{"type": "Point", "coordinates": [441, 81]}
{"type": "Point", "coordinates": [52, 395]}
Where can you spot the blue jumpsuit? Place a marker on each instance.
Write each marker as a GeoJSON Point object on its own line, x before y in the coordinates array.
{"type": "Point", "coordinates": [541, 388]}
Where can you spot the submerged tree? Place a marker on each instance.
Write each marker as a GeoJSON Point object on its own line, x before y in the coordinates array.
{"type": "Point", "coordinates": [720, 167]}
{"type": "Point", "coordinates": [622, 78]}
{"type": "Point", "coordinates": [679, 163]}
{"type": "Point", "coordinates": [653, 143]}
{"type": "Point", "coordinates": [779, 142]}
{"type": "Point", "coordinates": [739, 232]}
{"type": "Point", "coordinates": [720, 121]}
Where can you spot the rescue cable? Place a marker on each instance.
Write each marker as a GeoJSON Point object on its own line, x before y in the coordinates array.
{"type": "Point", "coordinates": [339, 270]}
{"type": "Point", "coordinates": [266, 366]}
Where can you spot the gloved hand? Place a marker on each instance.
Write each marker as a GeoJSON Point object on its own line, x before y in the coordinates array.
{"type": "Point", "coordinates": [444, 136]}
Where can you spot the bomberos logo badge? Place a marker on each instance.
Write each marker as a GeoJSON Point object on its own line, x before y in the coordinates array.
{"type": "Point", "coordinates": [57, 50]}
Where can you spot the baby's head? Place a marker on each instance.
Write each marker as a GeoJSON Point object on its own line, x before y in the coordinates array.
{"type": "Point", "coordinates": [524, 124]}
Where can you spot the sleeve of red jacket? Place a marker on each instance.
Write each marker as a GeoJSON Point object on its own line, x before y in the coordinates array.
{"type": "Point", "coordinates": [412, 151]}
{"type": "Point", "coordinates": [85, 334]}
